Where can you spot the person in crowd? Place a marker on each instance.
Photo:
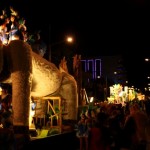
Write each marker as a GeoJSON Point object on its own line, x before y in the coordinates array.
{"type": "Point", "coordinates": [13, 24]}
{"type": "Point", "coordinates": [6, 107]}
{"type": "Point", "coordinates": [99, 138]}
{"type": "Point", "coordinates": [83, 132]}
{"type": "Point", "coordinates": [147, 132]}
{"type": "Point", "coordinates": [4, 21]}
{"type": "Point", "coordinates": [116, 122]}
{"type": "Point", "coordinates": [7, 137]}
{"type": "Point", "coordinates": [18, 30]}
{"type": "Point", "coordinates": [147, 107]}
{"type": "Point", "coordinates": [134, 129]}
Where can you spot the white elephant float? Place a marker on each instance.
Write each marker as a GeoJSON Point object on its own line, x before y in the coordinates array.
{"type": "Point", "coordinates": [32, 75]}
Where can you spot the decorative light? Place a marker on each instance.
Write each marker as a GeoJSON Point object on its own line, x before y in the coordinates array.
{"type": "Point", "coordinates": [91, 99]}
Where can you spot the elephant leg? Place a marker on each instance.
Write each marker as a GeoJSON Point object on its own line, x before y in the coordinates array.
{"type": "Point", "coordinates": [21, 76]}
{"type": "Point", "coordinates": [21, 87]}
{"type": "Point", "coordinates": [20, 63]}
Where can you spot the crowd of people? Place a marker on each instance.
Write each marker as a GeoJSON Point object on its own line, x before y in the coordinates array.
{"type": "Point", "coordinates": [115, 127]}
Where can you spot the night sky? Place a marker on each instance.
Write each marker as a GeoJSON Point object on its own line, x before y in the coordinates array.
{"type": "Point", "coordinates": [100, 28]}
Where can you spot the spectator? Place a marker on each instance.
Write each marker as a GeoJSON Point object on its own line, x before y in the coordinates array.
{"type": "Point", "coordinates": [6, 107]}
{"type": "Point", "coordinates": [82, 132]}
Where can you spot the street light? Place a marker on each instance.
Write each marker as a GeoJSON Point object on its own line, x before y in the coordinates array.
{"type": "Point", "coordinates": [147, 59]}
{"type": "Point", "coordinates": [68, 39]}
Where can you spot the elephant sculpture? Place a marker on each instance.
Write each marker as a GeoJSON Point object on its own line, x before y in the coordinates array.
{"type": "Point", "coordinates": [33, 76]}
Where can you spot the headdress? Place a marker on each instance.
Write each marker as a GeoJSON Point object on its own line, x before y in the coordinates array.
{"type": "Point", "coordinates": [13, 12]}
{"type": "Point", "coordinates": [4, 15]}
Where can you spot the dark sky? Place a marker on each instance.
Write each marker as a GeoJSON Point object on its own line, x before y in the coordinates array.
{"type": "Point", "coordinates": [99, 27]}
{"type": "Point", "coordinates": [96, 25]}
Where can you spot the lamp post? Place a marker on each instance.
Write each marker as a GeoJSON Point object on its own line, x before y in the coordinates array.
{"type": "Point", "coordinates": [68, 39]}
{"type": "Point", "coordinates": [147, 89]}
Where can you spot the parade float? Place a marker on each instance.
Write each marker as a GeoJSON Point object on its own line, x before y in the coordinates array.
{"type": "Point", "coordinates": [120, 94]}
{"type": "Point", "coordinates": [41, 92]}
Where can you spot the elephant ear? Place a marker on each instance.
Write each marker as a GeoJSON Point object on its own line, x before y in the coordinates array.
{"type": "Point", "coordinates": [1, 56]}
